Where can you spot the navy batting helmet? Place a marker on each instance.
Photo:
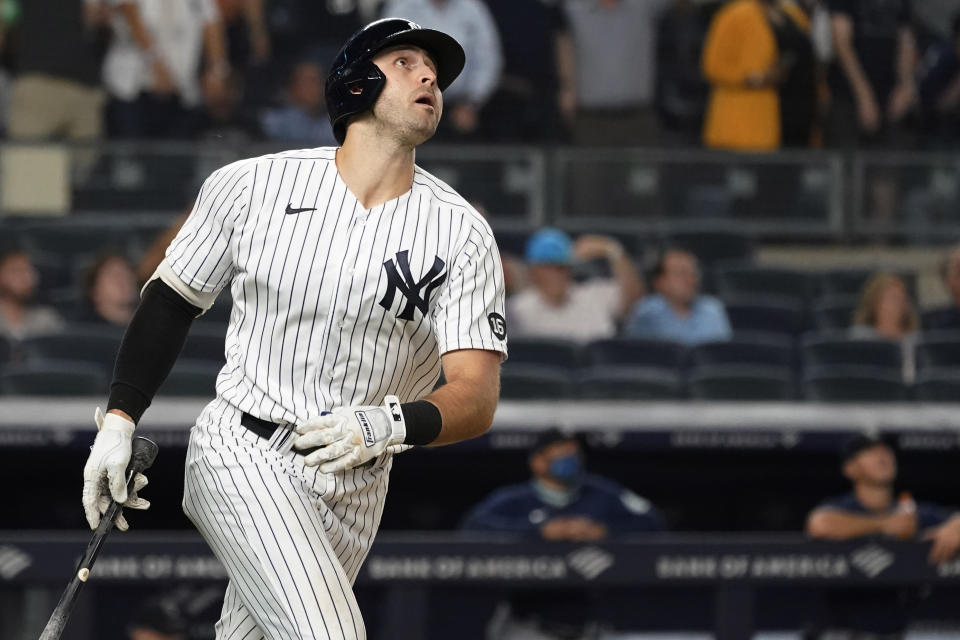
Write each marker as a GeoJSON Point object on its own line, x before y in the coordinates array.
{"type": "Point", "coordinates": [353, 67]}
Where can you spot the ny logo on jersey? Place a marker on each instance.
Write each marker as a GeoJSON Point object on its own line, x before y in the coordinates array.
{"type": "Point", "coordinates": [399, 277]}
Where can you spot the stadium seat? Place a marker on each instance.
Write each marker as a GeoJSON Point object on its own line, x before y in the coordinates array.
{"type": "Point", "coordinates": [545, 352]}
{"type": "Point", "coordinates": [766, 314]}
{"type": "Point", "coordinates": [532, 382]}
{"type": "Point", "coordinates": [938, 350]}
{"type": "Point", "coordinates": [937, 385]}
{"type": "Point", "coordinates": [850, 282]}
{"type": "Point", "coordinates": [628, 383]}
{"type": "Point", "coordinates": [54, 378]}
{"type": "Point", "coordinates": [941, 318]}
{"type": "Point", "coordinates": [838, 350]}
{"type": "Point", "coordinates": [6, 350]}
{"type": "Point", "coordinates": [635, 352]}
{"type": "Point", "coordinates": [834, 313]}
{"type": "Point", "coordinates": [205, 342]}
{"type": "Point", "coordinates": [713, 247]}
{"type": "Point", "coordinates": [741, 382]}
{"type": "Point", "coordinates": [745, 348]}
{"type": "Point", "coordinates": [853, 384]}
{"type": "Point", "coordinates": [93, 344]}
{"type": "Point", "coordinates": [191, 378]}
{"type": "Point", "coordinates": [748, 280]}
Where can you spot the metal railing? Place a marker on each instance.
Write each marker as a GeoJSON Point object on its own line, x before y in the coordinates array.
{"type": "Point", "coordinates": [817, 194]}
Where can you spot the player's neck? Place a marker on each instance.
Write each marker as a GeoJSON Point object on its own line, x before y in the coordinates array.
{"type": "Point", "coordinates": [375, 172]}
{"type": "Point", "coordinates": [875, 497]}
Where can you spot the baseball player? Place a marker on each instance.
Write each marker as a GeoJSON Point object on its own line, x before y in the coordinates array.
{"type": "Point", "coordinates": [355, 277]}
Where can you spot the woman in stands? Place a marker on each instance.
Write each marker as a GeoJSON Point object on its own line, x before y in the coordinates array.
{"type": "Point", "coordinates": [886, 312]}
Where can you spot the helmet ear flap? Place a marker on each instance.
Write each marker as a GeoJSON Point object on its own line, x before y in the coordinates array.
{"type": "Point", "coordinates": [344, 98]}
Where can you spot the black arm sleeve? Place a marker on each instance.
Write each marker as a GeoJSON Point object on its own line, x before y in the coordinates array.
{"type": "Point", "coordinates": [150, 346]}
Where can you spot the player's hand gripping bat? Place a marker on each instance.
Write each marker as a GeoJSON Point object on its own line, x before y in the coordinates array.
{"type": "Point", "coordinates": [143, 453]}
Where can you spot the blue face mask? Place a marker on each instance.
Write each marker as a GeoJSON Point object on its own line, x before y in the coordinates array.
{"type": "Point", "coordinates": [566, 470]}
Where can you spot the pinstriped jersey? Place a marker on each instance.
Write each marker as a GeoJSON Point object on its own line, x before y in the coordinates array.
{"type": "Point", "coordinates": [334, 304]}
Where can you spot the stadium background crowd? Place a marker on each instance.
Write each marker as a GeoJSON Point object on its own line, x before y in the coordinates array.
{"type": "Point", "coordinates": [687, 314]}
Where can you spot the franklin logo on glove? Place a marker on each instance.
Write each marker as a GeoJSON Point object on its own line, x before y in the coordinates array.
{"type": "Point", "coordinates": [368, 438]}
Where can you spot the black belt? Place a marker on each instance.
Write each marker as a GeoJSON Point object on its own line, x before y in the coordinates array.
{"type": "Point", "coordinates": [265, 429]}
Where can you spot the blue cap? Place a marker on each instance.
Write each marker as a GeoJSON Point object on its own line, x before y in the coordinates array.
{"type": "Point", "coordinates": [549, 246]}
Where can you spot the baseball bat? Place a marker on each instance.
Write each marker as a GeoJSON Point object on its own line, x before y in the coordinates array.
{"type": "Point", "coordinates": [143, 453]}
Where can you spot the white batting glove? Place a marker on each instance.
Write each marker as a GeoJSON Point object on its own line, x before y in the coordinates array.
{"type": "Point", "coordinates": [104, 475]}
{"type": "Point", "coordinates": [351, 435]}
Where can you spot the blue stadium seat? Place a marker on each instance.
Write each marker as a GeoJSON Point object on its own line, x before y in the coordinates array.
{"type": "Point", "coordinates": [834, 313]}
{"type": "Point", "coordinates": [821, 350]}
{"type": "Point", "coordinates": [628, 383]}
{"type": "Point", "coordinates": [937, 385]}
{"type": "Point", "coordinates": [938, 350]}
{"type": "Point", "coordinates": [6, 350]}
{"type": "Point", "coordinates": [545, 352]}
{"type": "Point", "coordinates": [95, 344]}
{"type": "Point", "coordinates": [941, 319]}
{"type": "Point", "coordinates": [766, 314]}
{"type": "Point", "coordinates": [635, 352]}
{"type": "Point", "coordinates": [532, 382]}
{"type": "Point", "coordinates": [713, 247]}
{"type": "Point", "coordinates": [745, 348]}
{"type": "Point", "coordinates": [54, 378]}
{"type": "Point", "coordinates": [853, 384]}
{"type": "Point", "coordinates": [741, 382]}
{"type": "Point", "coordinates": [850, 282]}
{"type": "Point", "coordinates": [750, 280]}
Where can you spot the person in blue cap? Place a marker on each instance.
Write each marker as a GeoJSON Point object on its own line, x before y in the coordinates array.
{"type": "Point", "coordinates": [556, 306]}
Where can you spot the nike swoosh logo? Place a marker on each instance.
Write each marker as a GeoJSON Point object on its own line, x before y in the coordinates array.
{"type": "Point", "coordinates": [290, 210]}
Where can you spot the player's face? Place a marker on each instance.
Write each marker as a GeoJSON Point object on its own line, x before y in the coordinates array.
{"type": "Point", "coordinates": [876, 465]}
{"type": "Point", "coordinates": [410, 104]}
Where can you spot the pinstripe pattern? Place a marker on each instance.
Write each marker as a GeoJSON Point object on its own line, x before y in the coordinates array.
{"type": "Point", "coordinates": [318, 322]}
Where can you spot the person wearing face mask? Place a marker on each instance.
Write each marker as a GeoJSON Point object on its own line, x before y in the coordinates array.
{"type": "Point", "coordinates": [561, 502]}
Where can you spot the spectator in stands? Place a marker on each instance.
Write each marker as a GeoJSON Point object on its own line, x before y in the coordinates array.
{"type": "Point", "coordinates": [939, 88]}
{"type": "Point", "coordinates": [873, 83]}
{"type": "Point", "coordinates": [245, 27]}
{"type": "Point", "coordinates": [681, 92]}
{"type": "Point", "coordinates": [470, 22]}
{"type": "Point", "coordinates": [560, 503]}
{"type": "Point", "coordinates": [885, 312]}
{"type": "Point", "coordinates": [109, 291]}
{"type": "Point", "coordinates": [536, 98]}
{"type": "Point", "coordinates": [948, 318]}
{"type": "Point", "coordinates": [152, 69]}
{"type": "Point", "coordinates": [555, 306]}
{"type": "Point", "coordinates": [57, 93]}
{"type": "Point", "coordinates": [759, 61]}
{"type": "Point", "coordinates": [304, 116]}
{"type": "Point", "coordinates": [225, 117]}
{"type": "Point", "coordinates": [19, 317]}
{"type": "Point", "coordinates": [615, 43]}
{"type": "Point", "coordinates": [678, 312]}
{"type": "Point", "coordinates": [871, 509]}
